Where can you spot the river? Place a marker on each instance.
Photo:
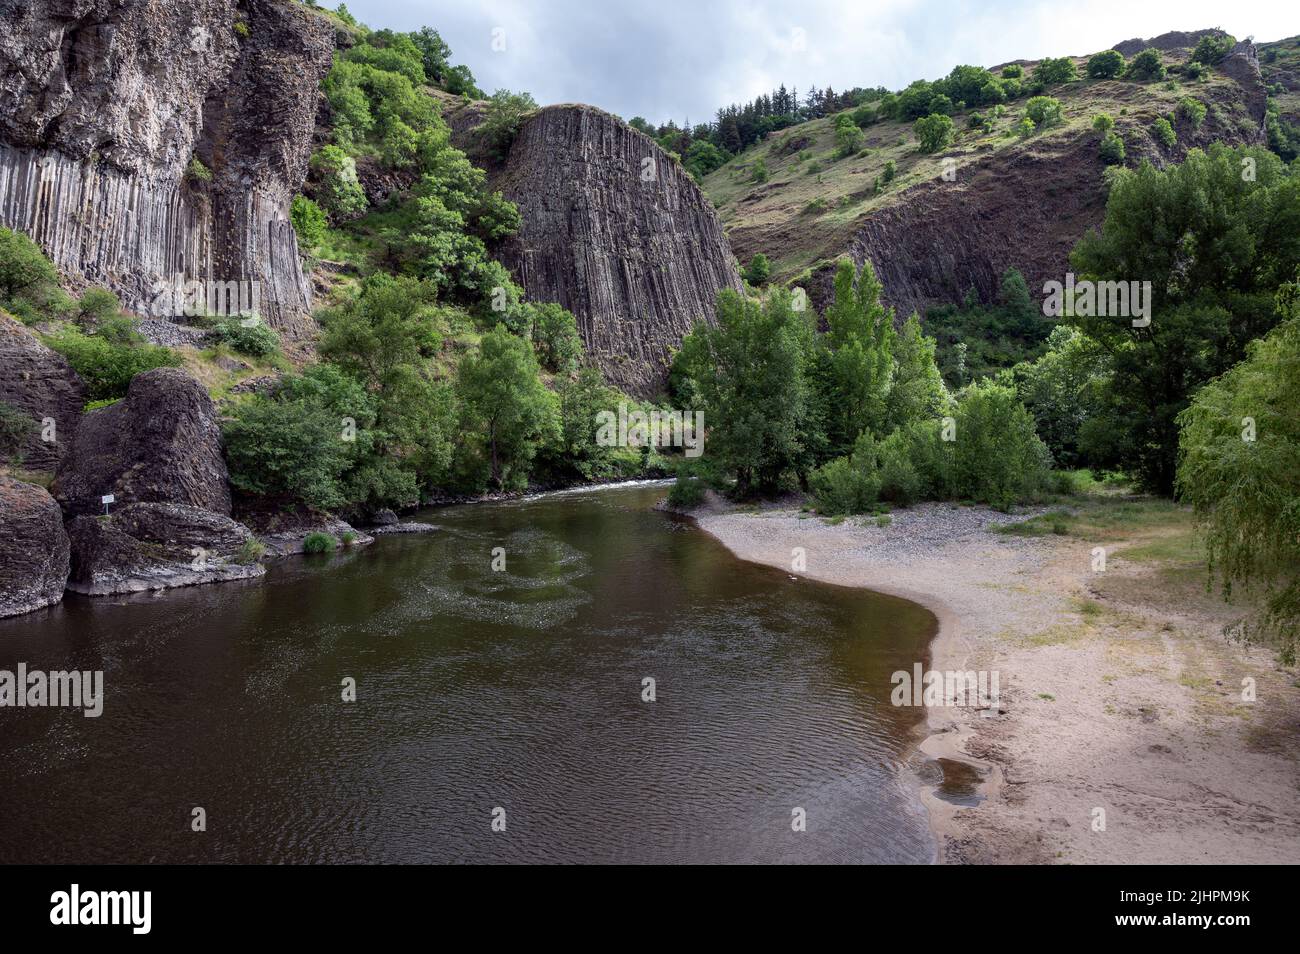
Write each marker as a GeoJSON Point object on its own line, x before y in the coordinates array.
{"type": "Point", "coordinates": [515, 695]}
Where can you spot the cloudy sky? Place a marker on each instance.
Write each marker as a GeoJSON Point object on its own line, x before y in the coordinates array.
{"type": "Point", "coordinates": [682, 59]}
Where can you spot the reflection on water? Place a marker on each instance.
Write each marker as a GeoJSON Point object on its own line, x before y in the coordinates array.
{"type": "Point", "coordinates": [519, 689]}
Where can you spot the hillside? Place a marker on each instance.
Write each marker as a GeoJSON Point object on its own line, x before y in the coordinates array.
{"type": "Point", "coordinates": [1011, 201]}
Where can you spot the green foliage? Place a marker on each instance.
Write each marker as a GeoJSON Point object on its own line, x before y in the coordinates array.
{"type": "Point", "coordinates": [1146, 65]}
{"type": "Point", "coordinates": [107, 366]}
{"type": "Point", "coordinates": [933, 132]}
{"type": "Point", "coordinates": [758, 270]}
{"type": "Point", "coordinates": [848, 137]}
{"type": "Point", "coordinates": [975, 340]}
{"type": "Point", "coordinates": [748, 375]}
{"type": "Point", "coordinates": [1211, 49]}
{"type": "Point", "coordinates": [849, 484]}
{"type": "Point", "coordinates": [579, 453]}
{"type": "Point", "coordinates": [16, 429]}
{"type": "Point", "coordinates": [856, 361]}
{"type": "Point", "coordinates": [1215, 245]}
{"type": "Point", "coordinates": [29, 282]}
{"type": "Point", "coordinates": [506, 412]}
{"type": "Point", "coordinates": [1025, 128]}
{"type": "Point", "coordinates": [1112, 150]}
{"type": "Point", "coordinates": [505, 112]}
{"type": "Point", "coordinates": [318, 542]}
{"type": "Point", "coordinates": [758, 171]}
{"type": "Point", "coordinates": [702, 158]}
{"type": "Point", "coordinates": [98, 305]}
{"type": "Point", "coordinates": [249, 337]}
{"type": "Point", "coordinates": [1043, 111]}
{"type": "Point", "coordinates": [555, 337]}
{"type": "Point", "coordinates": [196, 171]}
{"type": "Point", "coordinates": [1103, 123]}
{"type": "Point", "coordinates": [1163, 132]}
{"type": "Point", "coordinates": [1064, 391]}
{"type": "Point", "coordinates": [891, 170]}
{"type": "Point", "coordinates": [309, 221]}
{"type": "Point", "coordinates": [687, 493]}
{"type": "Point", "coordinates": [1054, 71]}
{"type": "Point", "coordinates": [338, 188]}
{"type": "Point", "coordinates": [998, 458]}
{"type": "Point", "coordinates": [1240, 470]}
{"type": "Point", "coordinates": [917, 390]}
{"type": "Point", "coordinates": [1106, 65]}
{"type": "Point", "coordinates": [1192, 110]}
{"type": "Point", "coordinates": [1012, 71]}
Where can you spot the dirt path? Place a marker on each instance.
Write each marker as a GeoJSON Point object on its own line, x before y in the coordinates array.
{"type": "Point", "coordinates": [1119, 693]}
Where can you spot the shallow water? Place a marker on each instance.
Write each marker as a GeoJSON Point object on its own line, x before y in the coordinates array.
{"type": "Point", "coordinates": [476, 690]}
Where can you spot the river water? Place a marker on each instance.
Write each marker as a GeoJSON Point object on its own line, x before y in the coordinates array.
{"type": "Point", "coordinates": [481, 693]}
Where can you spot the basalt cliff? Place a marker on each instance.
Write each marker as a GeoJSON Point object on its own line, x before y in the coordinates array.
{"type": "Point", "coordinates": [141, 140]}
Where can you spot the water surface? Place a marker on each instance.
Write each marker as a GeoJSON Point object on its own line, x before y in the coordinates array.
{"type": "Point", "coordinates": [476, 689]}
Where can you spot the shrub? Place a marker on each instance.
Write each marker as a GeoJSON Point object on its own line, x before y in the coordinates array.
{"type": "Point", "coordinates": [250, 337]}
{"type": "Point", "coordinates": [1025, 128]}
{"type": "Point", "coordinates": [196, 171]}
{"type": "Point", "coordinates": [687, 492]}
{"type": "Point", "coordinates": [758, 271]}
{"type": "Point", "coordinates": [16, 428]}
{"type": "Point", "coordinates": [338, 188]}
{"type": "Point", "coordinates": [24, 270]}
{"type": "Point", "coordinates": [1146, 65]}
{"type": "Point", "coordinates": [1055, 70]}
{"type": "Point", "coordinates": [1105, 65]}
{"type": "Point", "coordinates": [1043, 111]}
{"type": "Point", "coordinates": [848, 138]}
{"type": "Point", "coordinates": [997, 456]}
{"type": "Point", "coordinates": [1192, 110]}
{"type": "Point", "coordinates": [1164, 133]}
{"type": "Point", "coordinates": [505, 112]}
{"type": "Point", "coordinates": [309, 221]}
{"type": "Point", "coordinates": [933, 132]}
{"type": "Point", "coordinates": [318, 542]}
{"type": "Point", "coordinates": [1103, 123]}
{"type": "Point", "coordinates": [107, 366]}
{"type": "Point", "coordinates": [555, 337]}
{"type": "Point", "coordinates": [1112, 149]}
{"type": "Point", "coordinates": [758, 171]}
{"type": "Point", "coordinates": [98, 305]}
{"type": "Point", "coordinates": [1012, 71]}
{"type": "Point", "coordinates": [891, 170]}
{"type": "Point", "coordinates": [849, 484]}
{"type": "Point", "coordinates": [1211, 49]}
{"type": "Point", "coordinates": [899, 481]}
{"type": "Point", "coordinates": [250, 551]}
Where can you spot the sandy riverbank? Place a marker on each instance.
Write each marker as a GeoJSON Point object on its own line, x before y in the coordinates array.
{"type": "Point", "coordinates": [1118, 690]}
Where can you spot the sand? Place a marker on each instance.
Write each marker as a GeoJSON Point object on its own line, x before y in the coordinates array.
{"type": "Point", "coordinates": [1119, 694]}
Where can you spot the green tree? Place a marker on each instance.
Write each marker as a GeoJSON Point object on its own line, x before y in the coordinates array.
{"type": "Point", "coordinates": [933, 132]}
{"type": "Point", "coordinates": [758, 271]}
{"type": "Point", "coordinates": [1164, 133]}
{"type": "Point", "coordinates": [857, 356]}
{"type": "Point", "coordinates": [1215, 246]}
{"type": "Point", "coordinates": [1053, 71]}
{"type": "Point", "coordinates": [1043, 111]}
{"type": "Point", "coordinates": [338, 188]}
{"type": "Point", "coordinates": [1112, 150]}
{"type": "Point", "coordinates": [1240, 470]}
{"type": "Point", "coordinates": [1212, 48]}
{"type": "Point", "coordinates": [1146, 65]}
{"type": "Point", "coordinates": [1106, 65]}
{"type": "Point", "coordinates": [917, 390]}
{"type": "Point", "coordinates": [1063, 390]}
{"type": "Point", "coordinates": [997, 456]}
{"type": "Point", "coordinates": [501, 120]}
{"type": "Point", "coordinates": [506, 411]}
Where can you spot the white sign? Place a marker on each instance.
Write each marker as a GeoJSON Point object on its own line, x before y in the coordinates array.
{"type": "Point", "coordinates": [107, 499]}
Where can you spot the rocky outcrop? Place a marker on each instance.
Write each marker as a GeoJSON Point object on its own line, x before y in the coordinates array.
{"type": "Point", "coordinates": [285, 532]}
{"type": "Point", "coordinates": [39, 383]}
{"type": "Point", "coordinates": [155, 546]}
{"type": "Point", "coordinates": [616, 232]}
{"type": "Point", "coordinates": [160, 444]}
{"type": "Point", "coordinates": [1173, 40]}
{"type": "Point", "coordinates": [33, 548]}
{"type": "Point", "coordinates": [103, 105]}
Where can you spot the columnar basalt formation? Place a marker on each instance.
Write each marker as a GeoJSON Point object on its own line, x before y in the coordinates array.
{"type": "Point", "coordinates": [617, 232]}
{"type": "Point", "coordinates": [105, 103]}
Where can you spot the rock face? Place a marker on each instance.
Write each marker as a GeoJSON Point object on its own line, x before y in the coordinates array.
{"type": "Point", "coordinates": [103, 104]}
{"type": "Point", "coordinates": [154, 546]}
{"type": "Point", "coordinates": [616, 232]}
{"type": "Point", "coordinates": [284, 533]}
{"type": "Point", "coordinates": [39, 383]}
{"type": "Point", "coordinates": [1025, 207]}
{"type": "Point", "coordinates": [161, 444]}
{"type": "Point", "coordinates": [33, 548]}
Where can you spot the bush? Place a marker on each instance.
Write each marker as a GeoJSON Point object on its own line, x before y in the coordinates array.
{"type": "Point", "coordinates": [997, 456]}
{"type": "Point", "coordinates": [319, 543]}
{"type": "Point", "coordinates": [196, 171]}
{"type": "Point", "coordinates": [758, 271]}
{"type": "Point", "coordinates": [250, 551]}
{"type": "Point", "coordinates": [1147, 65]}
{"type": "Point", "coordinates": [1053, 71]}
{"type": "Point", "coordinates": [505, 112]}
{"type": "Point", "coordinates": [16, 428]}
{"type": "Point", "coordinates": [250, 337]}
{"type": "Point", "coordinates": [25, 272]}
{"type": "Point", "coordinates": [849, 484]}
{"type": "Point", "coordinates": [338, 188]}
{"type": "Point", "coordinates": [1025, 128]}
{"type": "Point", "coordinates": [1103, 123]}
{"type": "Point", "coordinates": [899, 481]}
{"type": "Point", "coordinates": [933, 132]}
{"type": "Point", "coordinates": [1211, 49]}
{"type": "Point", "coordinates": [107, 366]}
{"type": "Point", "coordinates": [1112, 149]}
{"type": "Point", "coordinates": [758, 171]}
{"type": "Point", "coordinates": [891, 170]}
{"type": "Point", "coordinates": [309, 221]}
{"type": "Point", "coordinates": [1012, 71]}
{"type": "Point", "coordinates": [1106, 65]}
{"type": "Point", "coordinates": [1043, 111]}
{"type": "Point", "coordinates": [687, 493]}
{"type": "Point", "coordinates": [1192, 110]}
{"type": "Point", "coordinates": [848, 139]}
{"type": "Point", "coordinates": [1164, 133]}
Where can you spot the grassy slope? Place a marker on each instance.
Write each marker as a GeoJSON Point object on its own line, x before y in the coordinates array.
{"type": "Point", "coordinates": [1284, 69]}
{"type": "Point", "coordinates": [754, 214]}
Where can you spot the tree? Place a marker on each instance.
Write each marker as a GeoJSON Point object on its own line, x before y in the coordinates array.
{"type": "Point", "coordinates": [1053, 71]}
{"type": "Point", "coordinates": [24, 269]}
{"type": "Point", "coordinates": [917, 391]}
{"type": "Point", "coordinates": [1106, 65]}
{"type": "Point", "coordinates": [1163, 132]}
{"type": "Point", "coordinates": [555, 337]}
{"type": "Point", "coordinates": [702, 157]}
{"type": "Point", "coordinates": [857, 357]}
{"type": "Point", "coordinates": [933, 132]}
{"type": "Point", "coordinates": [1112, 150]}
{"type": "Point", "coordinates": [1240, 470]}
{"type": "Point", "coordinates": [997, 456]}
{"type": "Point", "coordinates": [309, 222]}
{"type": "Point", "coordinates": [1212, 48]}
{"type": "Point", "coordinates": [1043, 111]}
{"type": "Point", "coordinates": [506, 411]}
{"type": "Point", "coordinates": [1146, 65]}
{"type": "Point", "coordinates": [848, 136]}
{"type": "Point", "coordinates": [1103, 123]}
{"type": "Point", "coordinates": [338, 188]}
{"type": "Point", "coordinates": [748, 375]}
{"type": "Point", "coordinates": [502, 118]}
{"type": "Point", "coordinates": [1214, 246]}
{"type": "Point", "coordinates": [1063, 390]}
{"type": "Point", "coordinates": [759, 269]}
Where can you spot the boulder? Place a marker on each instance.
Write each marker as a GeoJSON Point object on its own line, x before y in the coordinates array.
{"type": "Point", "coordinates": [33, 548]}
{"type": "Point", "coordinates": [156, 546]}
{"type": "Point", "coordinates": [161, 444]}
{"type": "Point", "coordinates": [40, 383]}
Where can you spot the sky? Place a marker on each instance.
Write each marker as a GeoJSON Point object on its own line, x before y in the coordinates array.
{"type": "Point", "coordinates": [682, 59]}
